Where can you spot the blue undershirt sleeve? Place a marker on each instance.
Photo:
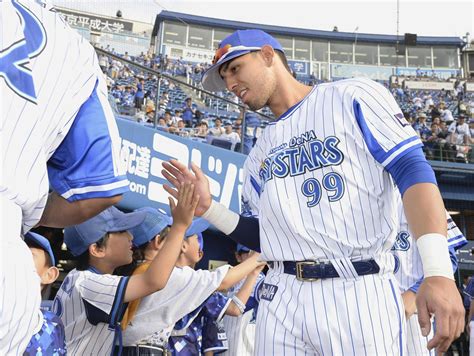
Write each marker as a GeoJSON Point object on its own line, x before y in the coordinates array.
{"type": "Point", "coordinates": [247, 233]}
{"type": "Point", "coordinates": [410, 169]}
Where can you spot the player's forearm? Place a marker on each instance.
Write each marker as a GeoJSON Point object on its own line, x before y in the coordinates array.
{"type": "Point", "coordinates": [426, 218]}
{"type": "Point", "coordinates": [239, 272]}
{"type": "Point", "coordinates": [425, 210]}
{"type": "Point", "coordinates": [61, 213]}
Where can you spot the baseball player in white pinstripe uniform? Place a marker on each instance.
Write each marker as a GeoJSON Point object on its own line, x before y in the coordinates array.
{"type": "Point", "coordinates": [321, 180]}
{"type": "Point", "coordinates": [57, 129]}
{"type": "Point", "coordinates": [409, 274]}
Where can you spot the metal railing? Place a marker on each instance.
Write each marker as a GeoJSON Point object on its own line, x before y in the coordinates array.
{"type": "Point", "coordinates": [183, 83]}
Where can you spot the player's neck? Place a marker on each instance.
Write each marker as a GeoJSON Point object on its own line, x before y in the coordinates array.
{"type": "Point", "coordinates": [288, 93]}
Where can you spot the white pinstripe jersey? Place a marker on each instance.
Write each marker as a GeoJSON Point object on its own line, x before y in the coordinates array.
{"type": "Point", "coordinates": [157, 313]}
{"type": "Point", "coordinates": [411, 268]}
{"type": "Point", "coordinates": [47, 72]}
{"type": "Point", "coordinates": [90, 306]}
{"type": "Point", "coordinates": [317, 177]}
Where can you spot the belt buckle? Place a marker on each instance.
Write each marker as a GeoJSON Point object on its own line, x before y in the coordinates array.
{"type": "Point", "coordinates": [299, 270]}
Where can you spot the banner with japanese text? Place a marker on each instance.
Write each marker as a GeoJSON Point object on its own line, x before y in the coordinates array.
{"type": "Point", "coordinates": [144, 149]}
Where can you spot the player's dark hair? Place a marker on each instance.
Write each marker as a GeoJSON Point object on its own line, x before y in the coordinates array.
{"type": "Point", "coordinates": [33, 244]}
{"type": "Point", "coordinates": [83, 260]}
{"type": "Point", "coordinates": [284, 60]}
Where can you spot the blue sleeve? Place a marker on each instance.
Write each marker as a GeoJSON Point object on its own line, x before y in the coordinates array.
{"type": "Point", "coordinates": [216, 305]}
{"type": "Point", "coordinates": [454, 259]}
{"type": "Point", "coordinates": [85, 165]}
{"type": "Point", "coordinates": [247, 233]}
{"type": "Point", "coordinates": [410, 169]}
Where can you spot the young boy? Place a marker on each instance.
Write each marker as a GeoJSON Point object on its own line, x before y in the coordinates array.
{"type": "Point", "coordinates": [150, 321]}
{"type": "Point", "coordinates": [45, 263]}
{"type": "Point", "coordinates": [91, 300]}
{"type": "Point", "coordinates": [50, 339]}
{"type": "Point", "coordinates": [188, 334]}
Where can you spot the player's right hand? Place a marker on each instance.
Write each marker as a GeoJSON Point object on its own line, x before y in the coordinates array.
{"type": "Point", "coordinates": [183, 210]}
{"type": "Point", "coordinates": [177, 174]}
{"type": "Point", "coordinates": [439, 296]}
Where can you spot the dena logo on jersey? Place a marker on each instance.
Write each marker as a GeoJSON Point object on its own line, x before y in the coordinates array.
{"type": "Point", "coordinates": [300, 157]}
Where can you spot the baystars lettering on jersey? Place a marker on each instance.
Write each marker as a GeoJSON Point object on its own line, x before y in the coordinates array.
{"type": "Point", "coordinates": [317, 177]}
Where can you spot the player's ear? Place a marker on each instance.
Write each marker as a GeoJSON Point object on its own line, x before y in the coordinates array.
{"type": "Point", "coordinates": [268, 54]}
{"type": "Point", "coordinates": [50, 275]}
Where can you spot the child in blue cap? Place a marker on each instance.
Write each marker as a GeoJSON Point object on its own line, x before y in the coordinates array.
{"type": "Point", "coordinates": [149, 321]}
{"type": "Point", "coordinates": [91, 300]}
{"type": "Point", "coordinates": [49, 340]}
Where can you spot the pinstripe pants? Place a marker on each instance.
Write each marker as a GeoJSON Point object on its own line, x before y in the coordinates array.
{"type": "Point", "coordinates": [337, 316]}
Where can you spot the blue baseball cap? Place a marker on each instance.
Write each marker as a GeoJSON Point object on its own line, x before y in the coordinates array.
{"type": "Point", "coordinates": [242, 248]}
{"type": "Point", "coordinates": [42, 242]}
{"type": "Point", "coordinates": [235, 45]}
{"type": "Point", "coordinates": [154, 223]}
{"type": "Point", "coordinates": [78, 238]}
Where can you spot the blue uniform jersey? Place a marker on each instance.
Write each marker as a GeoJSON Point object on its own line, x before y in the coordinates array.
{"type": "Point", "coordinates": [187, 337]}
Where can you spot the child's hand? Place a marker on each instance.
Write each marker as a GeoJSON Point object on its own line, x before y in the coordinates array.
{"type": "Point", "coordinates": [259, 264]}
{"type": "Point", "coordinates": [183, 210]}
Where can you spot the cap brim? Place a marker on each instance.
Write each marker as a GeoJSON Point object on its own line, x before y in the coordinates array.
{"type": "Point", "coordinates": [128, 221]}
{"type": "Point", "coordinates": [211, 79]}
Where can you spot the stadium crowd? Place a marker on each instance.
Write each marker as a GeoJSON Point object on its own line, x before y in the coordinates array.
{"type": "Point", "coordinates": [443, 119]}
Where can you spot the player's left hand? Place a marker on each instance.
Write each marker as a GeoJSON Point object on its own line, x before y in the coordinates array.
{"type": "Point", "coordinates": [439, 296]}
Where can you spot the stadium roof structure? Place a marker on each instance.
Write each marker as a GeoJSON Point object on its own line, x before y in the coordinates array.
{"type": "Point", "coordinates": [297, 32]}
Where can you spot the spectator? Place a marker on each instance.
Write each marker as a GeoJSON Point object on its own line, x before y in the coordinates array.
{"type": "Point", "coordinates": [460, 136]}
{"type": "Point", "coordinates": [203, 130]}
{"type": "Point", "coordinates": [178, 116]}
{"type": "Point", "coordinates": [230, 135]}
{"type": "Point", "coordinates": [432, 142]}
{"type": "Point", "coordinates": [217, 130]}
{"type": "Point", "coordinates": [140, 94]}
{"type": "Point", "coordinates": [162, 124]}
{"type": "Point", "coordinates": [169, 120]}
{"type": "Point", "coordinates": [421, 127]}
{"type": "Point", "coordinates": [252, 131]}
{"type": "Point", "coordinates": [189, 110]}
{"type": "Point", "coordinates": [165, 99]}
{"type": "Point", "coordinates": [446, 114]}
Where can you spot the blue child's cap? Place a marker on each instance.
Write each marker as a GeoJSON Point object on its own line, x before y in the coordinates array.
{"type": "Point", "coordinates": [78, 238]}
{"type": "Point", "coordinates": [42, 242]}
